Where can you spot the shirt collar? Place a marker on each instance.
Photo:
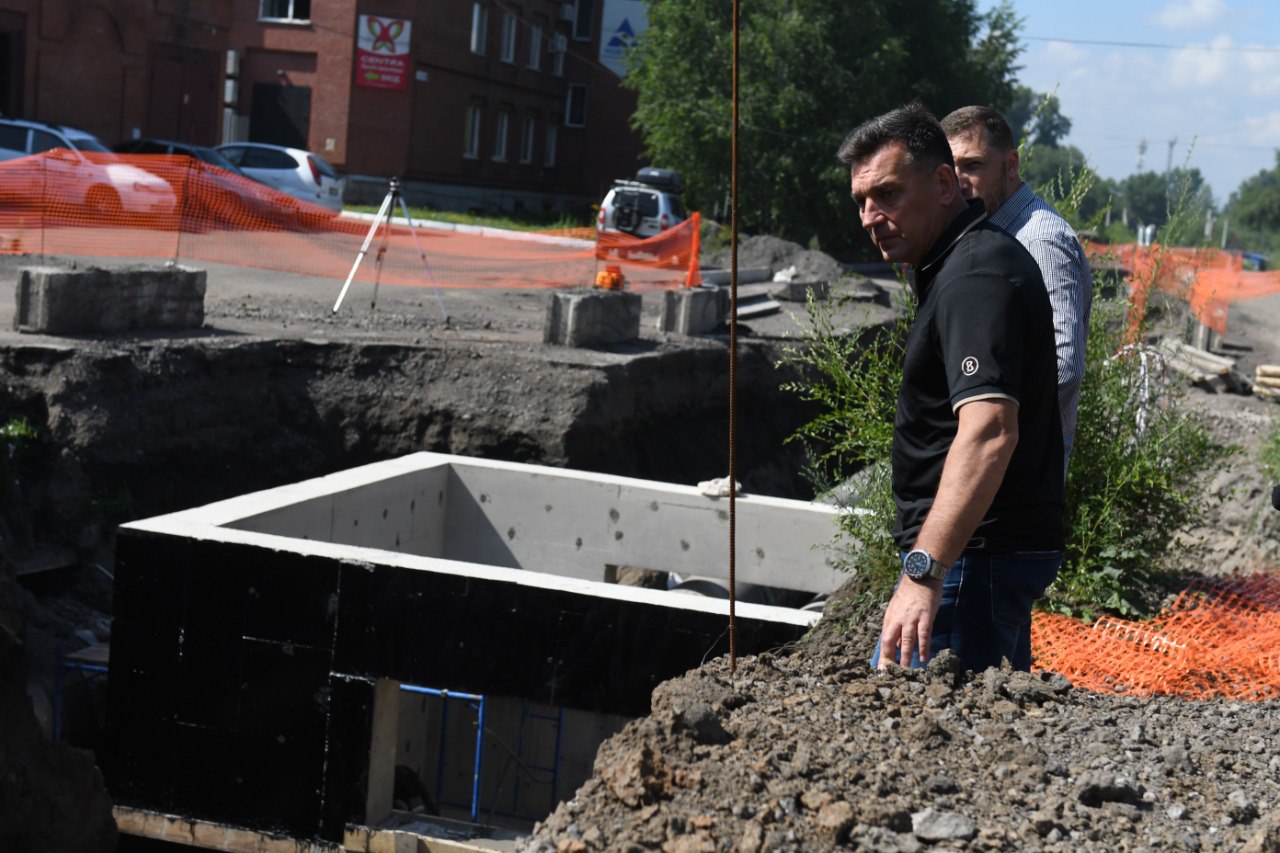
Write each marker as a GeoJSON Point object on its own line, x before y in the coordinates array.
{"type": "Point", "coordinates": [974, 214]}
{"type": "Point", "coordinates": [1013, 206]}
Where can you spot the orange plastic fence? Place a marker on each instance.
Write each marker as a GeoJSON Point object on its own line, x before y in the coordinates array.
{"type": "Point", "coordinates": [159, 206]}
{"type": "Point", "coordinates": [1218, 639]}
{"type": "Point", "coordinates": [1208, 279]}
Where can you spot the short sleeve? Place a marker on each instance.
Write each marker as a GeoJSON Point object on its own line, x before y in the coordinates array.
{"type": "Point", "coordinates": [981, 326]}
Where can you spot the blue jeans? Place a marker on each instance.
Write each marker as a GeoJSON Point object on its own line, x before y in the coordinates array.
{"type": "Point", "coordinates": [986, 607]}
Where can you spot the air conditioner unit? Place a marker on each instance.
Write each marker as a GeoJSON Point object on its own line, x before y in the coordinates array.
{"type": "Point", "coordinates": [559, 43]}
{"type": "Point", "coordinates": [566, 11]}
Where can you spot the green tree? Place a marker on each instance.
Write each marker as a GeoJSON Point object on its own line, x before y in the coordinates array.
{"type": "Point", "coordinates": [810, 70]}
{"type": "Point", "coordinates": [1150, 196]}
{"type": "Point", "coordinates": [1253, 211]}
{"type": "Point", "coordinates": [1037, 117]}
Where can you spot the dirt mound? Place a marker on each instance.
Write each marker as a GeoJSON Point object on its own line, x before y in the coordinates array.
{"type": "Point", "coordinates": [814, 751]}
{"type": "Point", "coordinates": [767, 251]}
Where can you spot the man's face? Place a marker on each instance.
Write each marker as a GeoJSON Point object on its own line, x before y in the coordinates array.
{"type": "Point", "coordinates": [902, 207]}
{"type": "Point", "coordinates": [984, 170]}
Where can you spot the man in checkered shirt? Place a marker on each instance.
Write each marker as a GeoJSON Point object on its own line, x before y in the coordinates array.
{"type": "Point", "coordinates": [986, 158]}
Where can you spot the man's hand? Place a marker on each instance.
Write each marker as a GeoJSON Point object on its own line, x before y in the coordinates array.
{"type": "Point", "coordinates": [908, 621]}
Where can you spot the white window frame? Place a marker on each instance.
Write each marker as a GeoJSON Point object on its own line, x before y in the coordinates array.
{"type": "Point", "coordinates": [508, 50]}
{"type": "Point", "coordinates": [527, 130]}
{"type": "Point", "coordinates": [479, 28]}
{"type": "Point", "coordinates": [471, 137]}
{"type": "Point", "coordinates": [535, 48]}
{"type": "Point", "coordinates": [549, 146]}
{"type": "Point", "coordinates": [568, 105]}
{"type": "Point", "coordinates": [291, 17]}
{"type": "Point", "coordinates": [501, 131]}
{"type": "Point", "coordinates": [557, 63]}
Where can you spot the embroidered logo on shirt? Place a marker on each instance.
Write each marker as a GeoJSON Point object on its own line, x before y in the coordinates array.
{"type": "Point", "coordinates": [969, 366]}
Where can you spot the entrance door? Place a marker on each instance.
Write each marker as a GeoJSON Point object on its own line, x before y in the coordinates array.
{"type": "Point", "coordinates": [184, 94]}
{"type": "Point", "coordinates": [280, 115]}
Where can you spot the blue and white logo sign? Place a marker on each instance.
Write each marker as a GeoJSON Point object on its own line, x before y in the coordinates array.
{"type": "Point", "coordinates": [623, 22]}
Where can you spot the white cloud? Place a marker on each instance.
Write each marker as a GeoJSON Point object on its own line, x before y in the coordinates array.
{"type": "Point", "coordinates": [1188, 14]}
{"type": "Point", "coordinates": [1191, 68]}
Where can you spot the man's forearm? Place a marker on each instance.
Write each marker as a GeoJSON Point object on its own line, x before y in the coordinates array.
{"type": "Point", "coordinates": [971, 476]}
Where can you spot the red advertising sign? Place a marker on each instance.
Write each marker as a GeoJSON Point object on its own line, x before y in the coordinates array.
{"type": "Point", "coordinates": [382, 53]}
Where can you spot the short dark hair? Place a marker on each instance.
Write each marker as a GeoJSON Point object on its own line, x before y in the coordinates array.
{"type": "Point", "coordinates": [912, 125]}
{"type": "Point", "coordinates": [997, 129]}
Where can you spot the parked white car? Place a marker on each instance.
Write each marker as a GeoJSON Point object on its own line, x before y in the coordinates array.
{"type": "Point", "coordinates": [644, 207]}
{"type": "Point", "coordinates": [80, 171]}
{"type": "Point", "coordinates": [301, 174]}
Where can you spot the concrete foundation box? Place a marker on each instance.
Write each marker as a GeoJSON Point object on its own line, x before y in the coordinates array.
{"type": "Point", "coordinates": [592, 319]}
{"type": "Point", "coordinates": [58, 301]}
{"type": "Point", "coordinates": [693, 311]}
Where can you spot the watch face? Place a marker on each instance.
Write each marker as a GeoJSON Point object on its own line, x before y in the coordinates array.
{"type": "Point", "coordinates": [916, 565]}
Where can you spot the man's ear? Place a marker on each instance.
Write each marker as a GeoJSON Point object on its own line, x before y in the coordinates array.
{"type": "Point", "coordinates": [1011, 164]}
{"type": "Point", "coordinates": [948, 184]}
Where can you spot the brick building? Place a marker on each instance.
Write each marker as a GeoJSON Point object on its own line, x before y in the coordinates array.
{"type": "Point", "coordinates": [498, 104]}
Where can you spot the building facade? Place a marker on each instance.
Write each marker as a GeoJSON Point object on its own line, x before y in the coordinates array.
{"type": "Point", "coordinates": [484, 104]}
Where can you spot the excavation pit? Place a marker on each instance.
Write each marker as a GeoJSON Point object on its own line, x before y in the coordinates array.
{"type": "Point", "coordinates": [260, 644]}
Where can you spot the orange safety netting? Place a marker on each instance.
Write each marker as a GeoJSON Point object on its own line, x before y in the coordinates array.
{"type": "Point", "coordinates": [1208, 279]}
{"type": "Point", "coordinates": [161, 206]}
{"type": "Point", "coordinates": [1219, 638]}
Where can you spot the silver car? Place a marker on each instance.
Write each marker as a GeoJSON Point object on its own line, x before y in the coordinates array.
{"type": "Point", "coordinates": [301, 174]}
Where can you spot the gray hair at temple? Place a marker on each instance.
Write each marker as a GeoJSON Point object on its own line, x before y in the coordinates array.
{"type": "Point", "coordinates": [912, 125]}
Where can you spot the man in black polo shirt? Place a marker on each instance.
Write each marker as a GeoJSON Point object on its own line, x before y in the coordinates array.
{"type": "Point", "coordinates": [977, 446]}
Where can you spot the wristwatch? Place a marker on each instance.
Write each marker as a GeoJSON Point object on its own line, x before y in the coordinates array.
{"type": "Point", "coordinates": [920, 566]}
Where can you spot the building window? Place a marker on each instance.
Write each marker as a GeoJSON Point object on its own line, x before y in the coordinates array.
{"type": "Point", "coordinates": [559, 44]}
{"type": "Point", "coordinates": [549, 149]}
{"type": "Point", "coordinates": [471, 145]}
{"type": "Point", "coordinates": [500, 136]}
{"type": "Point", "coordinates": [479, 27]}
{"type": "Point", "coordinates": [284, 10]}
{"type": "Point", "coordinates": [575, 106]}
{"type": "Point", "coordinates": [583, 18]}
{"type": "Point", "coordinates": [535, 48]}
{"type": "Point", "coordinates": [508, 38]}
{"type": "Point", "coordinates": [526, 139]}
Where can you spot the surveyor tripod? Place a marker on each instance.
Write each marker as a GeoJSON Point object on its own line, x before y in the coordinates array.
{"type": "Point", "coordinates": [384, 219]}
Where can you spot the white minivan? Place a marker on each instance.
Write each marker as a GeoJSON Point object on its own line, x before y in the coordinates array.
{"type": "Point", "coordinates": [644, 207]}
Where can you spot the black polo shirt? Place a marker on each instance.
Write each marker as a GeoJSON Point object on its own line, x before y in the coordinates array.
{"type": "Point", "coordinates": [983, 329]}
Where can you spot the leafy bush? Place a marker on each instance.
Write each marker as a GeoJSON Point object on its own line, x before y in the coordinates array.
{"type": "Point", "coordinates": [1139, 452]}
{"type": "Point", "coordinates": [854, 381]}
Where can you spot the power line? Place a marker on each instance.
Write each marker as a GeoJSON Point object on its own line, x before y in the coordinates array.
{"type": "Point", "coordinates": [1156, 45]}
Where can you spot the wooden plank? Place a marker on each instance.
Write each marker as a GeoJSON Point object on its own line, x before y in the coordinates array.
{"type": "Point", "coordinates": [206, 835]}
{"type": "Point", "coordinates": [382, 752]}
{"type": "Point", "coordinates": [1270, 371]}
{"type": "Point", "coordinates": [1269, 381]}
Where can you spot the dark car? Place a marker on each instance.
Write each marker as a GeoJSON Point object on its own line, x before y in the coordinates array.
{"type": "Point", "coordinates": [213, 186]}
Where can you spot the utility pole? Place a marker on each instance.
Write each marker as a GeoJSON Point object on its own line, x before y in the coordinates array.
{"type": "Point", "coordinates": [1142, 149]}
{"type": "Point", "coordinates": [1168, 163]}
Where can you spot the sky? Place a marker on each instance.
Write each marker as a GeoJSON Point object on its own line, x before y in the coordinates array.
{"type": "Point", "coordinates": [1221, 104]}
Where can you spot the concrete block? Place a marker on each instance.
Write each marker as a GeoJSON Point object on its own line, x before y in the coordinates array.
{"type": "Point", "coordinates": [592, 319]}
{"type": "Point", "coordinates": [746, 275]}
{"type": "Point", "coordinates": [693, 311]}
{"type": "Point", "coordinates": [58, 301]}
{"type": "Point", "coordinates": [798, 290]}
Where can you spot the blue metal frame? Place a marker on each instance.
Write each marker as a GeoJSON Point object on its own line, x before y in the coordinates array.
{"type": "Point", "coordinates": [61, 666]}
{"type": "Point", "coordinates": [478, 702]}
